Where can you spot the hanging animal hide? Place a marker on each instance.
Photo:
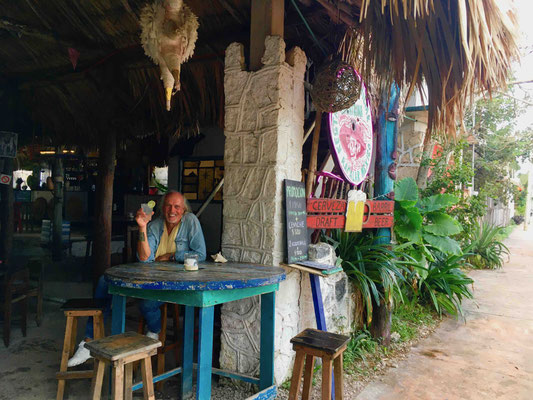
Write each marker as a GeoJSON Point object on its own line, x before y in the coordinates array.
{"type": "Point", "coordinates": [169, 33]}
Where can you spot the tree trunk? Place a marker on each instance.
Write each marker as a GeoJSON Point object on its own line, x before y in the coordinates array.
{"type": "Point", "coordinates": [385, 175]}
{"type": "Point", "coordinates": [6, 213]}
{"type": "Point", "coordinates": [104, 204]}
{"type": "Point", "coordinates": [422, 176]}
{"type": "Point", "coordinates": [381, 321]}
{"type": "Point", "coordinates": [57, 242]}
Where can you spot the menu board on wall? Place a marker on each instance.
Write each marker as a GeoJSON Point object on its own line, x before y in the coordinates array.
{"type": "Point", "coordinates": [296, 220]}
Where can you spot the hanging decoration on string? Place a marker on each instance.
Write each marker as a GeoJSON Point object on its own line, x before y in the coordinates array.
{"type": "Point", "coordinates": [73, 56]}
{"type": "Point", "coordinates": [351, 138]}
{"type": "Point", "coordinates": [169, 33]}
{"type": "Point", "coordinates": [336, 87]}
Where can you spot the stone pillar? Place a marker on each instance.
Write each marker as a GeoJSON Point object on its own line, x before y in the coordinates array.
{"type": "Point", "coordinates": [264, 118]}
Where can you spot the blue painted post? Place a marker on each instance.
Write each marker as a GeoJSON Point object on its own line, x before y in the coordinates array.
{"type": "Point", "coordinates": [118, 315]}
{"type": "Point", "coordinates": [316, 291]}
{"type": "Point", "coordinates": [387, 130]}
{"type": "Point", "coordinates": [385, 175]}
{"type": "Point", "coordinates": [320, 316]}
{"type": "Point", "coordinates": [266, 360]}
{"type": "Point", "coordinates": [205, 353]}
{"type": "Point", "coordinates": [187, 351]}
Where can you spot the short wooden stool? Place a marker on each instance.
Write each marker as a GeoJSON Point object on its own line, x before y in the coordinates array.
{"type": "Point", "coordinates": [313, 343]}
{"type": "Point", "coordinates": [165, 347]}
{"type": "Point", "coordinates": [121, 351]}
{"type": "Point", "coordinates": [73, 309]}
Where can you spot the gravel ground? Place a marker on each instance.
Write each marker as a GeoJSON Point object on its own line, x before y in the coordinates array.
{"type": "Point", "coordinates": [373, 368]}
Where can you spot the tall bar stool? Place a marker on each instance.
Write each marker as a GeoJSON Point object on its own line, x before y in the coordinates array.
{"type": "Point", "coordinates": [313, 343]}
{"type": "Point", "coordinates": [75, 308]}
{"type": "Point", "coordinates": [121, 351]}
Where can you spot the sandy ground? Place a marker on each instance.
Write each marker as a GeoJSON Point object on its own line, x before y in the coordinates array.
{"type": "Point", "coordinates": [488, 357]}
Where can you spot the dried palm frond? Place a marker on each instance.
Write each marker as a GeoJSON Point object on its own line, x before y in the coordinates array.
{"type": "Point", "coordinates": [456, 47]}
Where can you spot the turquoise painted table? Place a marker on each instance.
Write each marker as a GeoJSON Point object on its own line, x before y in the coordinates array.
{"type": "Point", "coordinates": [212, 284]}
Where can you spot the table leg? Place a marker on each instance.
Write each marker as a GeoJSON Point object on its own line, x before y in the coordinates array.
{"type": "Point", "coordinates": [187, 353]}
{"type": "Point", "coordinates": [266, 361]}
{"type": "Point", "coordinates": [118, 314]}
{"type": "Point", "coordinates": [205, 353]}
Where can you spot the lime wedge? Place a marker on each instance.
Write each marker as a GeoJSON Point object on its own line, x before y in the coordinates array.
{"type": "Point", "coordinates": [151, 204]}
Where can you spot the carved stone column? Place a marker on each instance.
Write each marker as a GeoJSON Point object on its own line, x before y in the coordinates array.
{"type": "Point", "coordinates": [264, 117]}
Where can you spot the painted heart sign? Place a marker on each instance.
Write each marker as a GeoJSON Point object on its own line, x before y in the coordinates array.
{"type": "Point", "coordinates": [351, 139]}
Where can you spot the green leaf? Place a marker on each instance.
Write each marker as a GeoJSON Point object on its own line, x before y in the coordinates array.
{"type": "Point", "coordinates": [437, 202]}
{"type": "Point", "coordinates": [406, 192]}
{"type": "Point", "coordinates": [444, 244]}
{"type": "Point", "coordinates": [408, 224]}
{"type": "Point", "coordinates": [442, 224]}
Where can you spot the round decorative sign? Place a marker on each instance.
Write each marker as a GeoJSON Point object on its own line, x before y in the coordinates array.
{"type": "Point", "coordinates": [351, 138]}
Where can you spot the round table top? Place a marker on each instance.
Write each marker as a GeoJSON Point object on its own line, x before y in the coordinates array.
{"type": "Point", "coordinates": [210, 276]}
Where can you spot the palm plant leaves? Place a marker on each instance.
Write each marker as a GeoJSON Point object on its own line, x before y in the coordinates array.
{"type": "Point", "coordinates": [373, 268]}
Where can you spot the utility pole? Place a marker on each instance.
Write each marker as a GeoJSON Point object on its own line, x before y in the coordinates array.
{"type": "Point", "coordinates": [529, 199]}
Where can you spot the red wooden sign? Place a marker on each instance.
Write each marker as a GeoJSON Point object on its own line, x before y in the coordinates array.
{"type": "Point", "coordinates": [330, 214]}
{"type": "Point", "coordinates": [380, 206]}
{"type": "Point", "coordinates": [326, 221]}
{"type": "Point", "coordinates": [378, 221]}
{"type": "Point", "coordinates": [326, 206]}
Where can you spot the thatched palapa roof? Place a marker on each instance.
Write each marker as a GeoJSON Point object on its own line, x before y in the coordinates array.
{"type": "Point", "coordinates": [455, 46]}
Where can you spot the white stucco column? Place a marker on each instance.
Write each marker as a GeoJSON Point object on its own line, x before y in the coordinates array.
{"type": "Point", "coordinates": [264, 118]}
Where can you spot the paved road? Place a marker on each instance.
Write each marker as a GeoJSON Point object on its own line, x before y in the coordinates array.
{"type": "Point", "coordinates": [488, 357]}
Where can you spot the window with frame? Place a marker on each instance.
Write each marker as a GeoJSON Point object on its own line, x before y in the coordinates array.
{"type": "Point", "coordinates": [200, 177]}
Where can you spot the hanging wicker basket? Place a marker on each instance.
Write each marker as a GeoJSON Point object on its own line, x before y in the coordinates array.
{"type": "Point", "coordinates": [336, 87]}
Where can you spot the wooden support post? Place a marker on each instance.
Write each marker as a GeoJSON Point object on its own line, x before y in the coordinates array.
{"type": "Point", "coordinates": [104, 203]}
{"type": "Point", "coordinates": [422, 176]}
{"type": "Point", "coordinates": [6, 213]}
{"type": "Point", "coordinates": [266, 20]}
{"type": "Point", "coordinates": [314, 154]}
{"type": "Point", "coordinates": [385, 175]}
{"type": "Point", "coordinates": [57, 242]}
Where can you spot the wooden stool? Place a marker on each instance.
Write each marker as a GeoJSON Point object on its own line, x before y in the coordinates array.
{"type": "Point", "coordinates": [121, 351]}
{"type": "Point", "coordinates": [73, 309]}
{"type": "Point", "coordinates": [312, 343]}
{"type": "Point", "coordinates": [163, 338]}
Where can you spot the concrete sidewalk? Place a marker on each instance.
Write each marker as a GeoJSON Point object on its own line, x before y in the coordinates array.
{"type": "Point", "coordinates": [488, 357]}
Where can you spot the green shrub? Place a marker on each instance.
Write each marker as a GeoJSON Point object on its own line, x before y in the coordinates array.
{"type": "Point", "coordinates": [375, 269]}
{"type": "Point", "coordinates": [486, 248]}
{"type": "Point", "coordinates": [442, 283]}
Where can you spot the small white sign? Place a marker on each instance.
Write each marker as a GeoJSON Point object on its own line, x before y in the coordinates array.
{"type": "Point", "coordinates": [5, 179]}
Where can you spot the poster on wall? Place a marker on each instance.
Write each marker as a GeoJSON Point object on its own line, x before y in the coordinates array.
{"type": "Point", "coordinates": [351, 139]}
{"type": "Point", "coordinates": [8, 144]}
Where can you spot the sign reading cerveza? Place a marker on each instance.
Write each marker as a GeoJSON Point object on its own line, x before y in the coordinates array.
{"type": "Point", "coordinates": [351, 139]}
{"type": "Point", "coordinates": [8, 144]}
{"type": "Point", "coordinates": [296, 218]}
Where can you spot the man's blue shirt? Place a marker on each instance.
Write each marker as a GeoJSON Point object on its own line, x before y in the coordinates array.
{"type": "Point", "coordinates": [190, 237]}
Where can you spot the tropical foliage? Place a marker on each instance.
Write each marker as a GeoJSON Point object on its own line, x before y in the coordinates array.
{"type": "Point", "coordinates": [373, 268]}
{"type": "Point", "coordinates": [441, 283]}
{"type": "Point", "coordinates": [487, 251]}
{"type": "Point", "coordinates": [424, 221]}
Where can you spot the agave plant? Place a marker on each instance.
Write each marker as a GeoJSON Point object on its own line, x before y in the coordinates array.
{"type": "Point", "coordinates": [373, 268]}
{"type": "Point", "coordinates": [488, 251]}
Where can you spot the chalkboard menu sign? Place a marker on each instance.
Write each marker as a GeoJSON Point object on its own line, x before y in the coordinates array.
{"type": "Point", "coordinates": [296, 218]}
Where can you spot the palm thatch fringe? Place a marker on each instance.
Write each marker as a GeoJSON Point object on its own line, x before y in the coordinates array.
{"type": "Point", "coordinates": [456, 47]}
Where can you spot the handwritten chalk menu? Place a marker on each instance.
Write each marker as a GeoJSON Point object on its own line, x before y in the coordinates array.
{"type": "Point", "coordinates": [296, 218]}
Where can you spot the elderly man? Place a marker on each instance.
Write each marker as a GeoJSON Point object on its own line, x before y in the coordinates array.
{"type": "Point", "coordinates": [167, 238]}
